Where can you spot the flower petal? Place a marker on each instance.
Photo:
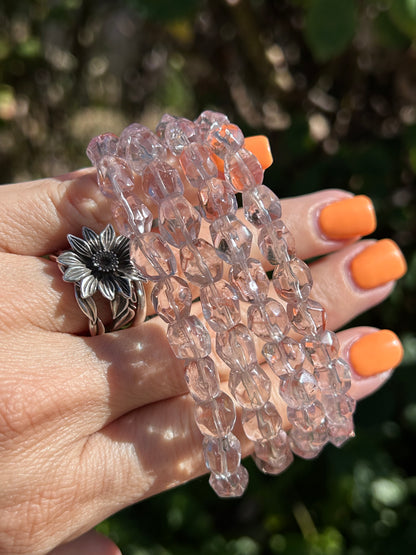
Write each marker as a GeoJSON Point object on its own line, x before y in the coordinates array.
{"type": "Point", "coordinates": [89, 286]}
{"type": "Point", "coordinates": [124, 286]}
{"type": "Point", "coordinates": [75, 273]}
{"type": "Point", "coordinates": [107, 237]}
{"type": "Point", "coordinates": [107, 288]}
{"type": "Point", "coordinates": [79, 245]}
{"type": "Point", "coordinates": [92, 237]}
{"type": "Point", "coordinates": [69, 258]}
{"type": "Point", "coordinates": [129, 271]}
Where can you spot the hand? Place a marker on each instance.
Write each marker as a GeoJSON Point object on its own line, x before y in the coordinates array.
{"type": "Point", "coordinates": [89, 425]}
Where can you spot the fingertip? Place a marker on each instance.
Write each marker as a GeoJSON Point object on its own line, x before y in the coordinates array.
{"type": "Point", "coordinates": [92, 543]}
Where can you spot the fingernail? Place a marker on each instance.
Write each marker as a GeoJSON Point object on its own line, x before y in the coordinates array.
{"type": "Point", "coordinates": [348, 218]}
{"type": "Point", "coordinates": [259, 145]}
{"type": "Point", "coordinates": [375, 353]}
{"type": "Point", "coordinates": [378, 264]}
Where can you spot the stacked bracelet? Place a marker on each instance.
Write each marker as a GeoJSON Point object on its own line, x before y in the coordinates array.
{"type": "Point", "coordinates": [313, 380]}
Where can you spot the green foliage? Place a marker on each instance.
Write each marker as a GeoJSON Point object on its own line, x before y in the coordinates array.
{"type": "Point", "coordinates": [330, 26]}
{"type": "Point", "coordinates": [403, 13]}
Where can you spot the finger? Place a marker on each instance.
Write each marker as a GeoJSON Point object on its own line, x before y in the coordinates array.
{"type": "Point", "coordinates": [91, 543]}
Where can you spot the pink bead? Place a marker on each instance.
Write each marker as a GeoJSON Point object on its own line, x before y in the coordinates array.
{"type": "Point", "coordinates": [273, 456]}
{"type": "Point", "coordinates": [200, 263]}
{"type": "Point", "coordinates": [178, 134]}
{"type": "Point", "coordinates": [216, 200]}
{"type": "Point", "coordinates": [250, 280]}
{"type": "Point", "coordinates": [132, 216]}
{"type": "Point", "coordinates": [179, 222]}
{"type": "Point", "coordinates": [220, 305]}
{"type": "Point", "coordinates": [216, 417]}
{"type": "Point", "coordinates": [139, 146]}
{"type": "Point", "coordinates": [242, 170]}
{"type": "Point", "coordinates": [232, 239]}
{"type": "Point", "coordinates": [268, 321]}
{"type": "Point", "coordinates": [285, 356]}
{"type": "Point", "coordinates": [103, 145]}
{"type": "Point", "coordinates": [262, 423]}
{"type": "Point", "coordinates": [251, 387]}
{"type": "Point", "coordinates": [261, 206]}
{"type": "Point", "coordinates": [307, 318]}
{"type": "Point", "coordinates": [172, 299]}
{"type": "Point", "coordinates": [298, 389]}
{"type": "Point", "coordinates": [160, 180]}
{"type": "Point", "coordinates": [308, 445]}
{"type": "Point", "coordinates": [202, 378]}
{"type": "Point", "coordinates": [152, 256]}
{"type": "Point", "coordinates": [206, 120]}
{"type": "Point", "coordinates": [236, 347]}
{"type": "Point", "coordinates": [225, 139]}
{"type": "Point", "coordinates": [292, 280]}
{"type": "Point", "coordinates": [189, 338]}
{"type": "Point", "coordinates": [232, 485]}
{"type": "Point", "coordinates": [276, 243]}
{"type": "Point", "coordinates": [161, 126]}
{"type": "Point", "coordinates": [115, 177]}
{"type": "Point", "coordinates": [308, 418]}
{"type": "Point", "coordinates": [198, 165]}
{"type": "Point", "coordinates": [222, 454]}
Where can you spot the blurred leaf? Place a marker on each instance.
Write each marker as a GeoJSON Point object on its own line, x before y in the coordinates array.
{"type": "Point", "coordinates": [330, 26]}
{"type": "Point", "coordinates": [403, 14]}
{"type": "Point", "coordinates": [166, 10]}
{"type": "Point", "coordinates": [389, 34]}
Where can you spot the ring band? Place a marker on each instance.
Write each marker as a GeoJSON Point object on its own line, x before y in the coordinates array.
{"type": "Point", "coordinates": [101, 263]}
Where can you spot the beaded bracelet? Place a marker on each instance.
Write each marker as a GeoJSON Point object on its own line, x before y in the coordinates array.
{"type": "Point", "coordinates": [313, 380]}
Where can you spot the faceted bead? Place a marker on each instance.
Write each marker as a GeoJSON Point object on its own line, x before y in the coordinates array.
{"type": "Point", "coordinates": [178, 134]}
{"type": "Point", "coordinates": [298, 389]}
{"type": "Point", "coordinates": [308, 418]}
{"type": "Point", "coordinates": [216, 417]}
{"type": "Point", "coordinates": [103, 145]}
{"type": "Point", "coordinates": [316, 351]}
{"type": "Point", "coordinates": [341, 431]}
{"type": "Point", "coordinates": [206, 120]}
{"type": "Point", "coordinates": [189, 338]}
{"type": "Point", "coordinates": [202, 378]}
{"type": "Point", "coordinates": [172, 299]}
{"type": "Point", "coordinates": [236, 347]}
{"type": "Point", "coordinates": [131, 216]}
{"type": "Point", "coordinates": [308, 445]}
{"type": "Point", "coordinates": [233, 485]}
{"type": "Point", "coordinates": [273, 456]}
{"type": "Point", "coordinates": [179, 222]}
{"type": "Point", "coordinates": [225, 139]}
{"type": "Point", "coordinates": [284, 357]}
{"type": "Point", "coordinates": [242, 170]}
{"type": "Point", "coordinates": [197, 164]}
{"type": "Point", "coordinates": [220, 305]}
{"type": "Point", "coordinates": [262, 423]}
{"type": "Point", "coordinates": [261, 206]}
{"type": "Point", "coordinates": [232, 239]}
{"type": "Point", "coordinates": [338, 406]}
{"type": "Point", "coordinates": [329, 381]}
{"type": "Point", "coordinates": [292, 280]}
{"type": "Point", "coordinates": [250, 387]}
{"type": "Point", "coordinates": [343, 371]}
{"type": "Point", "coordinates": [161, 126]}
{"type": "Point", "coordinates": [200, 263]}
{"type": "Point", "coordinates": [161, 180]}
{"type": "Point", "coordinates": [114, 177]}
{"type": "Point", "coordinates": [268, 321]}
{"type": "Point", "coordinates": [276, 243]}
{"type": "Point", "coordinates": [250, 280]}
{"type": "Point", "coordinates": [139, 146]}
{"type": "Point", "coordinates": [216, 200]}
{"type": "Point", "coordinates": [152, 256]}
{"type": "Point", "coordinates": [307, 318]}
{"type": "Point", "coordinates": [222, 454]}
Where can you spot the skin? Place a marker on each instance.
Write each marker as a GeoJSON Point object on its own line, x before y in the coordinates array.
{"type": "Point", "coordinates": [89, 425]}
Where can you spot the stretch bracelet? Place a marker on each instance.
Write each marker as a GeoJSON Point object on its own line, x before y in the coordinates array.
{"type": "Point", "coordinates": [143, 172]}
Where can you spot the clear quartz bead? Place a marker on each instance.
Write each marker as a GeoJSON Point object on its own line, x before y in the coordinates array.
{"type": "Point", "coordinates": [202, 378]}
{"type": "Point", "coordinates": [139, 146]}
{"type": "Point", "coordinates": [251, 388]}
{"type": "Point", "coordinates": [292, 280]}
{"type": "Point", "coordinates": [261, 206]}
{"type": "Point", "coordinates": [131, 216]}
{"type": "Point", "coordinates": [178, 134]}
{"type": "Point", "coordinates": [216, 200]}
{"type": "Point", "coordinates": [152, 256]}
{"type": "Point", "coordinates": [307, 318]}
{"type": "Point", "coordinates": [262, 423]}
{"type": "Point", "coordinates": [206, 120]}
{"type": "Point", "coordinates": [268, 320]}
{"type": "Point", "coordinates": [161, 126]}
{"type": "Point", "coordinates": [220, 305]}
{"type": "Point", "coordinates": [198, 165]}
{"type": "Point", "coordinates": [179, 222]}
{"type": "Point", "coordinates": [285, 356]}
{"type": "Point", "coordinates": [216, 418]}
{"type": "Point", "coordinates": [273, 456]}
{"type": "Point", "coordinates": [232, 239]}
{"type": "Point", "coordinates": [172, 299]}
{"type": "Point", "coordinates": [250, 280]}
{"type": "Point", "coordinates": [276, 243]}
{"type": "Point", "coordinates": [225, 139]}
{"type": "Point", "coordinates": [114, 177]}
{"type": "Point", "coordinates": [222, 454]}
{"type": "Point", "coordinates": [242, 170]}
{"type": "Point", "coordinates": [236, 347]}
{"type": "Point", "coordinates": [200, 263]}
{"type": "Point", "coordinates": [160, 180]}
{"type": "Point", "coordinates": [334, 379]}
{"type": "Point", "coordinates": [308, 445]}
{"type": "Point", "coordinates": [308, 418]}
{"type": "Point", "coordinates": [298, 389]}
{"type": "Point", "coordinates": [103, 145]}
{"type": "Point", "coordinates": [233, 485]}
{"type": "Point", "coordinates": [189, 338]}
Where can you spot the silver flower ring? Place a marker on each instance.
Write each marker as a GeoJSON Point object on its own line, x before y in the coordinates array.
{"type": "Point", "coordinates": [100, 263]}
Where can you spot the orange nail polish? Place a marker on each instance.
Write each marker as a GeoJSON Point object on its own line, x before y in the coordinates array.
{"type": "Point", "coordinates": [375, 353]}
{"type": "Point", "coordinates": [348, 218]}
{"type": "Point", "coordinates": [378, 264]}
{"type": "Point", "coordinates": [257, 144]}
